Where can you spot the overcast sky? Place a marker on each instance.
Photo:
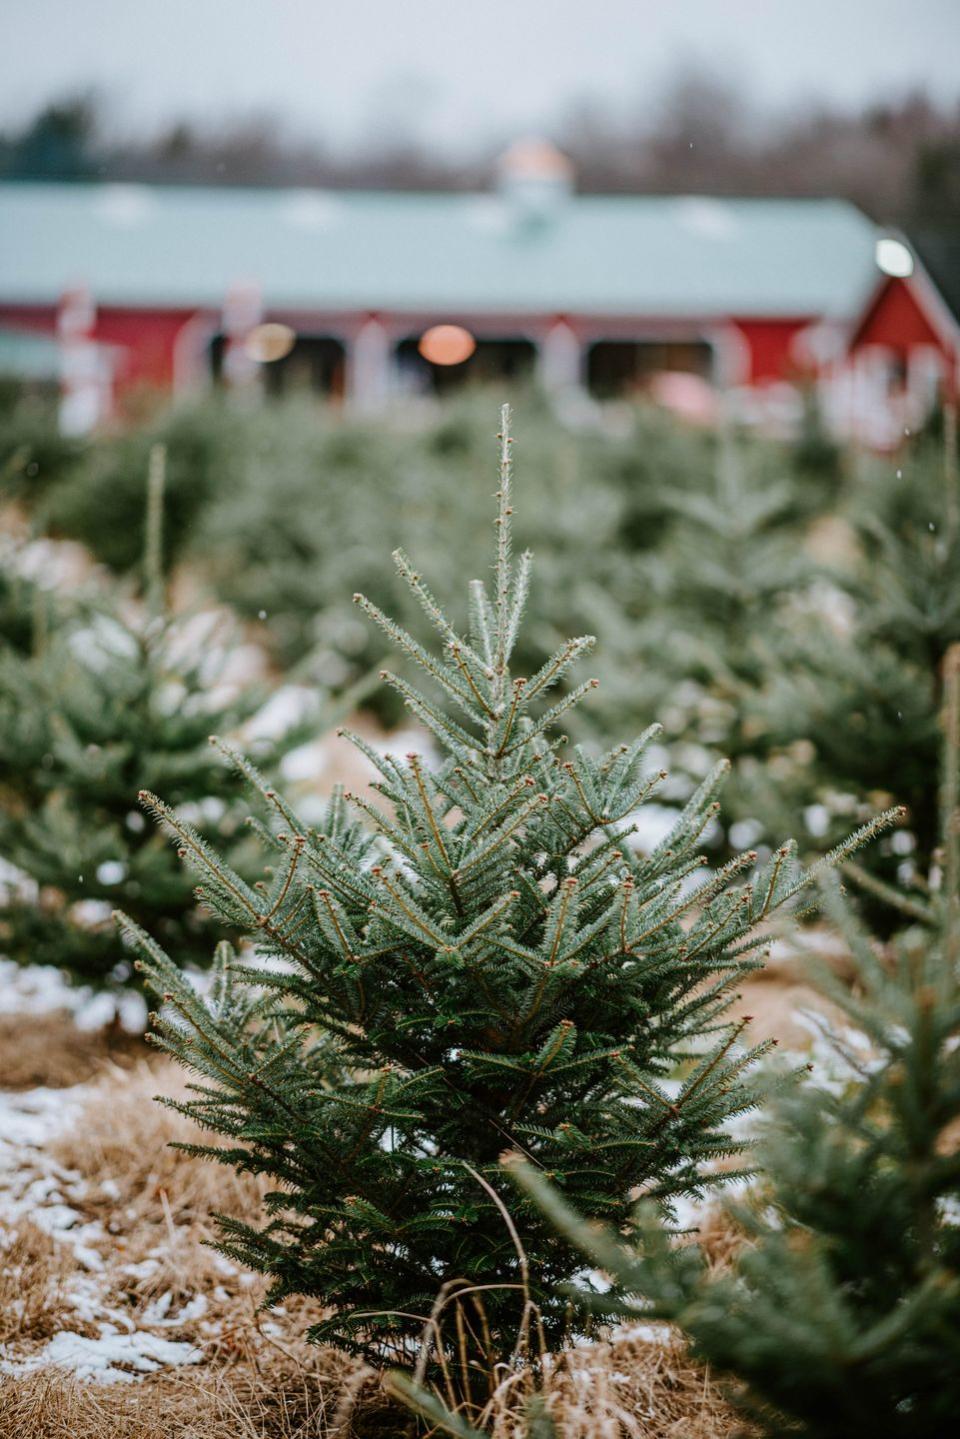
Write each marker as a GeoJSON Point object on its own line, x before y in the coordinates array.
{"type": "Point", "coordinates": [457, 71]}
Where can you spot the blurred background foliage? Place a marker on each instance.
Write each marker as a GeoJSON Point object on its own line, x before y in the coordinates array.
{"type": "Point", "coordinates": [785, 604]}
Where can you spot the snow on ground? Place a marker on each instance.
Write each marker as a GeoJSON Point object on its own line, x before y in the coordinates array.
{"type": "Point", "coordinates": [35, 989]}
{"type": "Point", "coordinates": [34, 1187]}
{"type": "Point", "coordinates": [119, 1346]}
{"type": "Point", "coordinates": [51, 564]}
{"type": "Point", "coordinates": [29, 1120]}
{"type": "Point", "coordinates": [113, 1358]}
{"type": "Point", "coordinates": [839, 1056]}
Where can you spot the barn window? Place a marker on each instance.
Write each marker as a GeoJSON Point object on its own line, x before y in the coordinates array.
{"type": "Point", "coordinates": [619, 368]}
{"type": "Point", "coordinates": [492, 360]}
{"type": "Point", "coordinates": [313, 364]}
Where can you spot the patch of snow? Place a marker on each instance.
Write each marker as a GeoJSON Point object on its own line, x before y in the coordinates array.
{"type": "Point", "coordinates": [649, 826]}
{"type": "Point", "coordinates": [312, 809]}
{"type": "Point", "coordinates": [35, 1116]}
{"type": "Point", "coordinates": [38, 989]}
{"type": "Point", "coordinates": [113, 1358]}
{"type": "Point", "coordinates": [34, 1187]}
{"type": "Point", "coordinates": [33, 989]}
{"type": "Point", "coordinates": [949, 1206]}
{"type": "Point", "coordinates": [290, 706]}
{"type": "Point", "coordinates": [656, 1333]}
{"type": "Point", "coordinates": [839, 1056]}
{"type": "Point", "coordinates": [158, 1316]}
{"type": "Point", "coordinates": [14, 884]}
{"type": "Point", "coordinates": [306, 762]}
{"type": "Point", "coordinates": [687, 1211]}
{"type": "Point", "coordinates": [146, 1269]}
{"type": "Point", "coordinates": [744, 833]}
{"type": "Point", "coordinates": [111, 871]}
{"type": "Point", "coordinates": [50, 563]}
{"type": "Point", "coordinates": [85, 1296]}
{"type": "Point", "coordinates": [816, 817]}
{"type": "Point", "coordinates": [93, 912]}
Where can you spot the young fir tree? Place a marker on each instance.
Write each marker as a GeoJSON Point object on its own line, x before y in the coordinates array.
{"type": "Point", "coordinates": [105, 705]}
{"type": "Point", "coordinates": [842, 1313]}
{"type": "Point", "coordinates": [23, 608]}
{"type": "Point", "coordinates": [732, 558]}
{"type": "Point", "coordinates": [714, 607]}
{"type": "Point", "coordinates": [863, 697]}
{"type": "Point", "coordinates": [484, 963]}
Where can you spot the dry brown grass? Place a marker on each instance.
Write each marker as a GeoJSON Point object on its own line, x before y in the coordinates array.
{"type": "Point", "coordinates": [632, 1389]}
{"type": "Point", "coordinates": [640, 1386]}
{"type": "Point", "coordinates": [776, 995]}
{"type": "Point", "coordinates": [251, 1399]}
{"type": "Point", "coordinates": [258, 1378]}
{"type": "Point", "coordinates": [774, 1004]}
{"type": "Point", "coordinates": [33, 1272]}
{"type": "Point", "coordinates": [48, 1049]}
{"type": "Point", "coordinates": [157, 1201]}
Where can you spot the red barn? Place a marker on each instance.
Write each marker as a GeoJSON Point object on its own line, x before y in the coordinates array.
{"type": "Point", "coordinates": [903, 351]}
{"type": "Point", "coordinates": [174, 287]}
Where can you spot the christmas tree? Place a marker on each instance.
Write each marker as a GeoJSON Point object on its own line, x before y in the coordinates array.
{"type": "Point", "coordinates": [23, 607]}
{"type": "Point", "coordinates": [316, 500]}
{"type": "Point", "coordinates": [842, 1311]}
{"type": "Point", "coordinates": [488, 960]}
{"type": "Point", "coordinates": [861, 689]}
{"type": "Point", "coordinates": [732, 560]}
{"type": "Point", "coordinates": [109, 702]}
{"type": "Point", "coordinates": [706, 619]}
{"type": "Point", "coordinates": [820, 680]}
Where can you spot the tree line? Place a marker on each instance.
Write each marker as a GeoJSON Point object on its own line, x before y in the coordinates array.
{"type": "Point", "coordinates": [898, 159]}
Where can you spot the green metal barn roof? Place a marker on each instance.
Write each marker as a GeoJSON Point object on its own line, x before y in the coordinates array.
{"type": "Point", "coordinates": [176, 245]}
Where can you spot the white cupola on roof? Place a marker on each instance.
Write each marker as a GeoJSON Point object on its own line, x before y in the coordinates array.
{"type": "Point", "coordinates": [535, 178]}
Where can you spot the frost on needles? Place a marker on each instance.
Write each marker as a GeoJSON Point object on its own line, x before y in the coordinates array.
{"type": "Point", "coordinates": [482, 963]}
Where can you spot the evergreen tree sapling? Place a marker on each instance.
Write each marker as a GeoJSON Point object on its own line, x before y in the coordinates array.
{"type": "Point", "coordinates": [483, 963]}
{"type": "Point", "coordinates": [732, 560]}
{"type": "Point", "coordinates": [23, 607]}
{"type": "Point", "coordinates": [717, 601]}
{"type": "Point", "coordinates": [842, 1313]}
{"type": "Point", "coordinates": [107, 704]}
{"type": "Point", "coordinates": [825, 693]}
{"type": "Point", "coordinates": [866, 693]}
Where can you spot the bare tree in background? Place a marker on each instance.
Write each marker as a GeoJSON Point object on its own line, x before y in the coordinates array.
{"type": "Point", "coordinates": [899, 161]}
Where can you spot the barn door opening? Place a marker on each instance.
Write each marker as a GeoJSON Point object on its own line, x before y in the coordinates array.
{"type": "Point", "coordinates": [314, 365]}
{"type": "Point", "coordinates": [490, 361]}
{"type": "Point", "coordinates": [617, 369]}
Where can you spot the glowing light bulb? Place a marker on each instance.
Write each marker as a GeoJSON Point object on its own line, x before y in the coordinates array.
{"type": "Point", "coordinates": [446, 345]}
{"type": "Point", "coordinates": [269, 342]}
{"type": "Point", "coordinates": [894, 258]}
